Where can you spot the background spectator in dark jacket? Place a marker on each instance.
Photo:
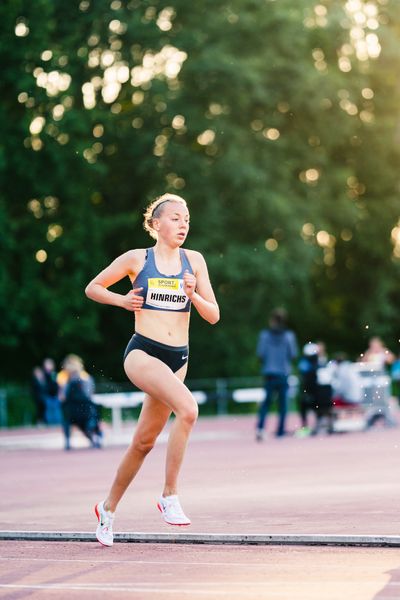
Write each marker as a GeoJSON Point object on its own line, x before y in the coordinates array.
{"type": "Point", "coordinates": [276, 349]}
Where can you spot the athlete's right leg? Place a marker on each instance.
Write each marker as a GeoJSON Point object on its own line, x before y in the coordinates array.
{"type": "Point", "coordinates": [165, 393]}
{"type": "Point", "coordinates": [152, 419]}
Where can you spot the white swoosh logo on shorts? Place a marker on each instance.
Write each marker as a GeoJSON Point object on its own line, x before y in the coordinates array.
{"type": "Point", "coordinates": [183, 357]}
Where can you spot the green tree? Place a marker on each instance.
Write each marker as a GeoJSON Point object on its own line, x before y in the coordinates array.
{"type": "Point", "coordinates": [267, 117]}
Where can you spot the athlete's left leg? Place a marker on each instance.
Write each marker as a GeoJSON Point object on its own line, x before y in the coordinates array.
{"type": "Point", "coordinates": [177, 443]}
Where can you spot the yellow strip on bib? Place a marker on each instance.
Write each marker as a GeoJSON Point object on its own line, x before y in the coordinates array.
{"type": "Point", "coordinates": [157, 283]}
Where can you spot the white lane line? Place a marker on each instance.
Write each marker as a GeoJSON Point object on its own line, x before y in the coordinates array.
{"type": "Point", "coordinates": [133, 562]}
{"type": "Point", "coordinates": [133, 589]}
{"type": "Point", "coordinates": [234, 588]}
{"type": "Point", "coordinates": [262, 564]}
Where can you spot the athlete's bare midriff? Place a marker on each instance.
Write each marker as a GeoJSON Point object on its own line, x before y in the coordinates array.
{"type": "Point", "coordinates": [166, 327]}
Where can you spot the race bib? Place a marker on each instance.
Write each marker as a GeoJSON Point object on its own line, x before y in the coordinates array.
{"type": "Point", "coordinates": [166, 294]}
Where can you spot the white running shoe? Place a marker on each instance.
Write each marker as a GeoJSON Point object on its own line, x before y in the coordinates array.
{"type": "Point", "coordinates": [104, 531]}
{"type": "Point", "coordinates": [171, 510]}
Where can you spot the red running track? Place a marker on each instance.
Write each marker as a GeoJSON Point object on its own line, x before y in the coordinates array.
{"type": "Point", "coordinates": [341, 484]}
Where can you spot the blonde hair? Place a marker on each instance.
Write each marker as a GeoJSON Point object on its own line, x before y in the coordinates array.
{"type": "Point", "coordinates": [154, 211]}
{"type": "Point", "coordinates": [72, 362]}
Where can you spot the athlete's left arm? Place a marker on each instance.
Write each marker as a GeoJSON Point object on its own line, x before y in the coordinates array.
{"type": "Point", "coordinates": [198, 288]}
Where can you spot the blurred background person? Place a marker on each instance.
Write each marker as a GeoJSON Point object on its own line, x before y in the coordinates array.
{"type": "Point", "coordinates": [50, 393]}
{"type": "Point", "coordinates": [308, 366]}
{"type": "Point", "coordinates": [78, 407]}
{"type": "Point", "coordinates": [276, 349]}
{"type": "Point", "coordinates": [64, 373]}
{"type": "Point", "coordinates": [322, 354]}
{"type": "Point", "coordinates": [377, 354]}
{"type": "Point", "coordinates": [315, 389]}
{"type": "Point", "coordinates": [38, 395]}
{"type": "Point", "coordinates": [345, 382]}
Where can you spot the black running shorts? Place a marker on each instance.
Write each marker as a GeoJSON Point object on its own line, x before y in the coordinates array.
{"type": "Point", "coordinates": [174, 357]}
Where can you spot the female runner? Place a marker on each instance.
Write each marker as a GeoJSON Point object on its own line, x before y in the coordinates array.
{"type": "Point", "coordinates": [166, 280]}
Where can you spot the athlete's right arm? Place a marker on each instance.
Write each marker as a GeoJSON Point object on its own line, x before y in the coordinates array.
{"type": "Point", "coordinates": [125, 265]}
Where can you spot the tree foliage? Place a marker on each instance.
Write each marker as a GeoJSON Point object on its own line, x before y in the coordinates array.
{"type": "Point", "coordinates": [278, 121]}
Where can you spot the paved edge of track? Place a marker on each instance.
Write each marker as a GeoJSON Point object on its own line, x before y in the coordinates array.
{"type": "Point", "coordinates": [211, 538]}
